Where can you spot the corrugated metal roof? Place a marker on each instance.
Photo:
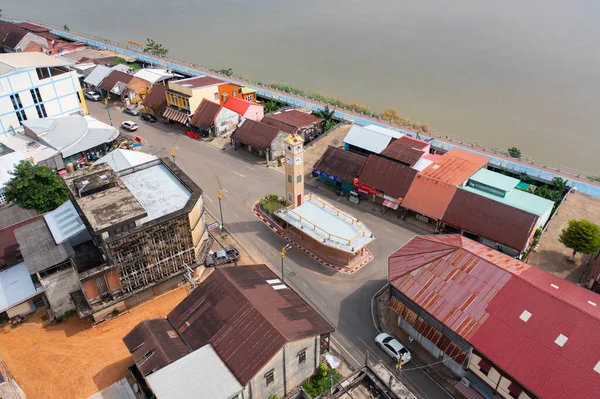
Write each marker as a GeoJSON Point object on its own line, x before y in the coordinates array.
{"type": "Point", "coordinates": [387, 176]}
{"type": "Point", "coordinates": [255, 134]}
{"type": "Point", "coordinates": [405, 150]}
{"type": "Point", "coordinates": [494, 179]}
{"type": "Point", "coordinates": [176, 115]}
{"type": "Point", "coordinates": [158, 190]}
{"type": "Point", "coordinates": [385, 131]}
{"type": "Point", "coordinates": [455, 167]}
{"type": "Point", "coordinates": [519, 199]}
{"type": "Point", "coordinates": [244, 318]}
{"type": "Point", "coordinates": [156, 99]}
{"type": "Point", "coordinates": [38, 248]}
{"type": "Point", "coordinates": [491, 219]}
{"type": "Point", "coordinates": [367, 139]}
{"type": "Point", "coordinates": [455, 279]}
{"type": "Point", "coordinates": [9, 248]}
{"type": "Point", "coordinates": [114, 77]}
{"type": "Point", "coordinates": [205, 115]}
{"type": "Point", "coordinates": [344, 165]}
{"type": "Point", "coordinates": [201, 374]}
{"type": "Point", "coordinates": [15, 286]}
{"type": "Point", "coordinates": [428, 196]}
{"type": "Point", "coordinates": [64, 222]}
{"type": "Point", "coordinates": [154, 344]}
{"type": "Point", "coordinates": [95, 77]}
{"type": "Point", "coordinates": [13, 214]}
{"type": "Point", "coordinates": [121, 159]}
{"type": "Point", "coordinates": [138, 85]}
{"type": "Point", "coordinates": [7, 165]}
{"type": "Point", "coordinates": [290, 120]}
{"type": "Point", "coordinates": [239, 105]}
{"type": "Point", "coordinates": [194, 83]}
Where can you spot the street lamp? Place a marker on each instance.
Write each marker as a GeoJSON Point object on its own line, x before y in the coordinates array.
{"type": "Point", "coordinates": [283, 251]}
{"type": "Point", "coordinates": [220, 196]}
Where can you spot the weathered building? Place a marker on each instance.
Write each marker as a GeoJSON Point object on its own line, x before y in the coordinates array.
{"type": "Point", "coordinates": [264, 333]}
{"type": "Point", "coordinates": [257, 137]}
{"type": "Point", "coordinates": [297, 123]}
{"type": "Point", "coordinates": [149, 223]}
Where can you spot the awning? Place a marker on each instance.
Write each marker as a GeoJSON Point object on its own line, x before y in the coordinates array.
{"type": "Point", "coordinates": [176, 116]}
{"type": "Point", "coordinates": [390, 204]}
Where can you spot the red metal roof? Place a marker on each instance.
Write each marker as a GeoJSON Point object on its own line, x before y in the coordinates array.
{"type": "Point", "coordinates": [344, 165]}
{"type": "Point", "coordinates": [428, 196]}
{"type": "Point", "coordinates": [406, 150]}
{"type": "Point", "coordinates": [481, 294]}
{"type": "Point", "coordinates": [455, 167]}
{"type": "Point", "coordinates": [255, 134]}
{"type": "Point", "coordinates": [156, 99]}
{"type": "Point", "coordinates": [205, 115]}
{"type": "Point", "coordinates": [239, 105]}
{"type": "Point", "coordinates": [389, 177]}
{"type": "Point", "coordinates": [291, 120]}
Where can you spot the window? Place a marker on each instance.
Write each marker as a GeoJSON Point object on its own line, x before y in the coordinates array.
{"type": "Point", "coordinates": [299, 179]}
{"type": "Point", "coordinates": [3, 199]}
{"type": "Point", "coordinates": [270, 376]}
{"type": "Point", "coordinates": [233, 93]}
{"type": "Point", "coordinates": [302, 356]}
{"type": "Point", "coordinates": [41, 111]}
{"type": "Point", "coordinates": [290, 198]}
{"type": "Point", "coordinates": [484, 366]}
{"type": "Point", "coordinates": [216, 96]}
{"type": "Point", "coordinates": [16, 101]}
{"type": "Point", "coordinates": [249, 98]}
{"type": "Point", "coordinates": [290, 179]}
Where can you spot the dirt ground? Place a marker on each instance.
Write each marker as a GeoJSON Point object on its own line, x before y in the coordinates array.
{"type": "Point", "coordinates": [552, 256]}
{"type": "Point", "coordinates": [72, 359]}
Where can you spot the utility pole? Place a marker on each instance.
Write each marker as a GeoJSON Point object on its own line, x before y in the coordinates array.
{"type": "Point", "coordinates": [173, 154]}
{"type": "Point", "coordinates": [220, 196]}
{"type": "Point", "coordinates": [107, 111]}
{"type": "Point", "coordinates": [283, 251]}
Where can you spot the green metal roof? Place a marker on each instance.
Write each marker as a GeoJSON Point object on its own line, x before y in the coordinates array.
{"type": "Point", "coordinates": [493, 179]}
{"type": "Point", "coordinates": [519, 199]}
{"type": "Point", "coordinates": [247, 90]}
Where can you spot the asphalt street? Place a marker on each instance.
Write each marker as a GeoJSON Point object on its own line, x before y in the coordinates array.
{"type": "Point", "coordinates": [345, 300]}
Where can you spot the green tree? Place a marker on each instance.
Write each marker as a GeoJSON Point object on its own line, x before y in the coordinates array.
{"type": "Point", "coordinates": [36, 187]}
{"type": "Point", "coordinates": [226, 72]}
{"type": "Point", "coordinates": [326, 114]}
{"type": "Point", "coordinates": [514, 152]}
{"type": "Point", "coordinates": [66, 28]}
{"type": "Point", "coordinates": [271, 106]}
{"type": "Point", "coordinates": [581, 236]}
{"type": "Point", "coordinates": [155, 48]}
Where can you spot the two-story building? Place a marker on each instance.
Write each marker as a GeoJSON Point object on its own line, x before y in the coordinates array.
{"type": "Point", "coordinates": [36, 86]}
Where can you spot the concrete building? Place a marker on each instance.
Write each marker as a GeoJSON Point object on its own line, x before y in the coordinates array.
{"type": "Point", "coordinates": [36, 86]}
{"type": "Point", "coordinates": [259, 138]}
{"type": "Point", "coordinates": [148, 221]}
{"type": "Point", "coordinates": [339, 168]}
{"type": "Point", "coordinates": [262, 332]}
{"type": "Point", "coordinates": [212, 119]}
{"type": "Point", "coordinates": [245, 108]}
{"type": "Point", "coordinates": [510, 330]}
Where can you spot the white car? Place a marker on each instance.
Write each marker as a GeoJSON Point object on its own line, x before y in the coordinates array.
{"type": "Point", "coordinates": [92, 95]}
{"type": "Point", "coordinates": [129, 125]}
{"type": "Point", "coordinates": [393, 348]}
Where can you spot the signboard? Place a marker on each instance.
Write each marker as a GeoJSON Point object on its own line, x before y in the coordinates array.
{"type": "Point", "coordinates": [327, 175]}
{"type": "Point", "coordinates": [213, 226]}
{"type": "Point", "coordinates": [364, 188]}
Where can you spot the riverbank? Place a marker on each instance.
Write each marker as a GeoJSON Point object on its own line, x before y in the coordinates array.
{"type": "Point", "coordinates": [543, 172]}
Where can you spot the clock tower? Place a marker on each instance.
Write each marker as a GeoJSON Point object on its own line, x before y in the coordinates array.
{"type": "Point", "coordinates": [294, 170]}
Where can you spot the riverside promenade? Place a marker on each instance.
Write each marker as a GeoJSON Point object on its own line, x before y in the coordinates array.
{"type": "Point", "coordinates": [541, 171]}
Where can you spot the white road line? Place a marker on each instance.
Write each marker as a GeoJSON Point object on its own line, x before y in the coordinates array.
{"type": "Point", "coordinates": [346, 350]}
{"type": "Point", "coordinates": [288, 268]}
{"type": "Point", "coordinates": [389, 230]}
{"type": "Point", "coordinates": [239, 174]}
{"type": "Point", "coordinates": [304, 284]}
{"type": "Point", "coordinates": [324, 304]}
{"type": "Point", "coordinates": [233, 213]}
{"type": "Point", "coordinates": [250, 167]}
{"type": "Point", "coordinates": [208, 198]}
{"type": "Point", "coordinates": [247, 227]}
{"type": "Point", "coordinates": [343, 322]}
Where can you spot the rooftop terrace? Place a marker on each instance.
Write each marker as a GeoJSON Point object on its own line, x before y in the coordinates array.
{"type": "Point", "coordinates": [325, 223]}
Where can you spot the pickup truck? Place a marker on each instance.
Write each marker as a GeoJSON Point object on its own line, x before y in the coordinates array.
{"type": "Point", "coordinates": [227, 255]}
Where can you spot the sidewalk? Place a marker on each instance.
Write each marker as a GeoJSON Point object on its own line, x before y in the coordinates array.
{"type": "Point", "coordinates": [420, 356]}
{"type": "Point", "coordinates": [223, 239]}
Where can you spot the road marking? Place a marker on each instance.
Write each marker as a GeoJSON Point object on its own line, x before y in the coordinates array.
{"type": "Point", "coordinates": [250, 167]}
{"type": "Point", "coordinates": [346, 350]}
{"type": "Point", "coordinates": [208, 198]}
{"type": "Point", "coordinates": [288, 268]}
{"type": "Point", "coordinates": [304, 284]}
{"type": "Point", "coordinates": [389, 230]}
{"type": "Point", "coordinates": [343, 322]}
{"type": "Point", "coordinates": [236, 216]}
{"type": "Point", "coordinates": [239, 174]}
{"type": "Point", "coordinates": [247, 227]}
{"type": "Point", "coordinates": [324, 304]}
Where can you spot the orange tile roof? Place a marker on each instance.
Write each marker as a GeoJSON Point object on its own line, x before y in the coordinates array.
{"type": "Point", "coordinates": [137, 85]}
{"type": "Point", "coordinates": [455, 166]}
{"type": "Point", "coordinates": [428, 196]}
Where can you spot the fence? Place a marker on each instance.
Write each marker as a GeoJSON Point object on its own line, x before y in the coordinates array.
{"type": "Point", "coordinates": [545, 172]}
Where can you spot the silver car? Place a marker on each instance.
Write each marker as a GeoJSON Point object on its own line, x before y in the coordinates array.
{"type": "Point", "coordinates": [393, 348]}
{"type": "Point", "coordinates": [132, 111]}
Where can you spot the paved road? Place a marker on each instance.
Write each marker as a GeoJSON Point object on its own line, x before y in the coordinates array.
{"type": "Point", "coordinates": [345, 300]}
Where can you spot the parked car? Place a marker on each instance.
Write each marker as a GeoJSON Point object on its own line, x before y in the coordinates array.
{"type": "Point", "coordinates": [393, 348]}
{"type": "Point", "coordinates": [92, 95]}
{"type": "Point", "coordinates": [129, 125]}
{"type": "Point", "coordinates": [132, 111]}
{"type": "Point", "coordinates": [227, 255]}
{"type": "Point", "coordinates": [149, 117]}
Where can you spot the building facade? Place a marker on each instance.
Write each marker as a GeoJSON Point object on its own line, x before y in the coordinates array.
{"type": "Point", "coordinates": [35, 86]}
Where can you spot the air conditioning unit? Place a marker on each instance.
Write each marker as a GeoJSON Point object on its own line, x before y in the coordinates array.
{"type": "Point", "coordinates": [465, 382]}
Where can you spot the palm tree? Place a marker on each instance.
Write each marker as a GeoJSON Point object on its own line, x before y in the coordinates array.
{"type": "Point", "coordinates": [66, 28]}
{"type": "Point", "coordinates": [155, 48]}
{"type": "Point", "coordinates": [326, 114]}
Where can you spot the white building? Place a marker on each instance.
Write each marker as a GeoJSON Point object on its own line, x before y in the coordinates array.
{"type": "Point", "coordinates": [34, 86]}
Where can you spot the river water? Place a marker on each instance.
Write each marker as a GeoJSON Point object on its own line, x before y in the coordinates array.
{"type": "Point", "coordinates": [500, 73]}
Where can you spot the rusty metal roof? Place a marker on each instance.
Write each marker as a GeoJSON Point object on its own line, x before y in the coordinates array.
{"type": "Point", "coordinates": [154, 344]}
{"type": "Point", "coordinates": [405, 150]}
{"type": "Point", "coordinates": [491, 219]}
{"type": "Point", "coordinates": [455, 167]}
{"type": "Point", "coordinates": [156, 99]}
{"type": "Point", "coordinates": [247, 314]}
{"type": "Point", "coordinates": [428, 196]}
{"type": "Point", "coordinates": [538, 328]}
{"type": "Point", "coordinates": [255, 134]}
{"type": "Point", "coordinates": [290, 120]}
{"type": "Point", "coordinates": [390, 177]}
{"type": "Point", "coordinates": [336, 162]}
{"type": "Point", "coordinates": [113, 78]}
{"type": "Point", "coordinates": [205, 115]}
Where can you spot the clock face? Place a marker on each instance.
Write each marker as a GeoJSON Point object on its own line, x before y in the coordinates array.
{"type": "Point", "coordinates": [298, 159]}
{"type": "Point", "coordinates": [288, 160]}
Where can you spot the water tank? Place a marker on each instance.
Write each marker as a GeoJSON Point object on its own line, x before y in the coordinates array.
{"type": "Point", "coordinates": [70, 168]}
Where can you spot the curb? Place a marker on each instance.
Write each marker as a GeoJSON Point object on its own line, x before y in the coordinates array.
{"type": "Point", "coordinates": [300, 247]}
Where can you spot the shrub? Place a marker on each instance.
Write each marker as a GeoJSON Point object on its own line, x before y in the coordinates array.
{"type": "Point", "coordinates": [514, 152]}
{"type": "Point", "coordinates": [320, 382]}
